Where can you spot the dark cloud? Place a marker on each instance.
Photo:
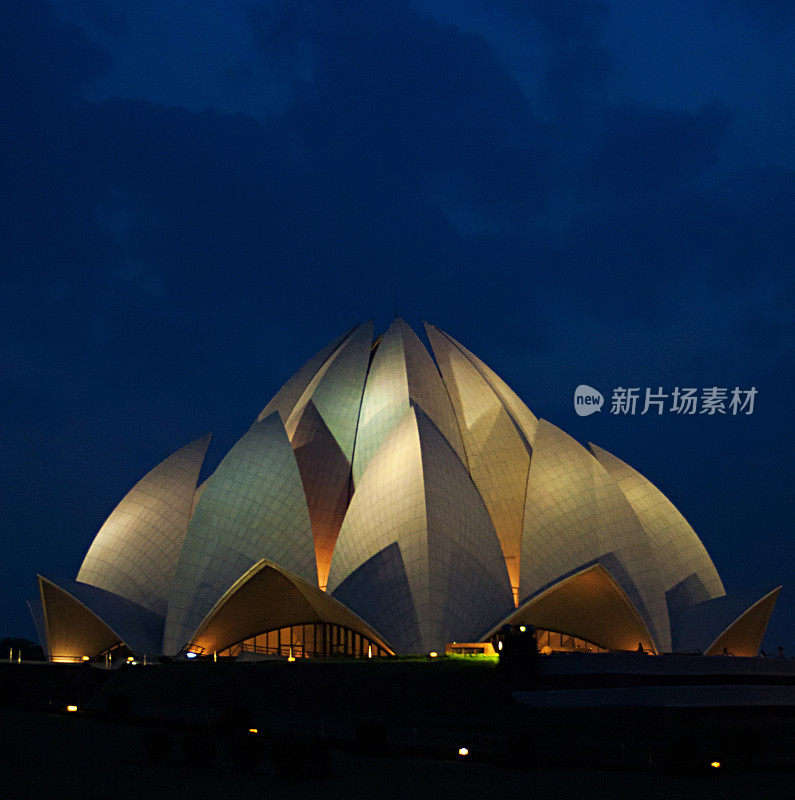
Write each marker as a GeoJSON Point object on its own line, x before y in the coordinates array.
{"type": "Point", "coordinates": [43, 57]}
{"type": "Point", "coordinates": [646, 152]}
{"type": "Point", "coordinates": [400, 103]}
{"type": "Point", "coordinates": [106, 16]}
{"type": "Point", "coordinates": [772, 14]}
{"type": "Point", "coordinates": [282, 32]}
{"type": "Point", "coordinates": [580, 66]}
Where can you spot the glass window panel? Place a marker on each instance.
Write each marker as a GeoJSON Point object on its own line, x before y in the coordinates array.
{"type": "Point", "coordinates": [309, 640]}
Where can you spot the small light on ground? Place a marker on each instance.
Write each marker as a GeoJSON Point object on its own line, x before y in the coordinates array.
{"type": "Point", "coordinates": [190, 655]}
{"type": "Point", "coordinates": [463, 751]}
{"type": "Point", "coordinates": [71, 709]}
{"type": "Point", "coordinates": [130, 659]}
{"type": "Point", "coordinates": [291, 658]}
{"type": "Point", "coordinates": [253, 730]}
{"type": "Point", "coordinates": [715, 764]}
{"type": "Point", "coordinates": [433, 654]}
{"type": "Point", "coordinates": [86, 658]}
{"type": "Point", "coordinates": [522, 629]}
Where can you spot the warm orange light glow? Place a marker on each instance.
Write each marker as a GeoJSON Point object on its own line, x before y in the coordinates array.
{"type": "Point", "coordinates": [463, 751]}
{"type": "Point", "coordinates": [469, 649]}
{"type": "Point", "coordinates": [291, 658]}
{"type": "Point", "coordinates": [326, 524]}
{"type": "Point", "coordinates": [253, 730]}
{"type": "Point", "coordinates": [71, 708]}
{"type": "Point", "coordinates": [86, 658]}
{"type": "Point", "coordinates": [130, 659]}
{"type": "Point", "coordinates": [715, 764]}
{"type": "Point", "coordinates": [369, 651]}
{"type": "Point", "coordinates": [433, 654]}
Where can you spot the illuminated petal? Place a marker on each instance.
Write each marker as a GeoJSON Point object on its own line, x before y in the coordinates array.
{"type": "Point", "coordinates": [82, 620]}
{"type": "Point", "coordinates": [498, 453]}
{"type": "Point", "coordinates": [447, 571]}
{"type": "Point", "coordinates": [136, 551]}
{"type": "Point", "coordinates": [253, 507]}
{"type": "Point", "coordinates": [575, 514]}
{"type": "Point", "coordinates": [685, 568]}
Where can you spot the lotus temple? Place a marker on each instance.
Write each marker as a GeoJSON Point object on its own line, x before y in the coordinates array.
{"type": "Point", "coordinates": [392, 499]}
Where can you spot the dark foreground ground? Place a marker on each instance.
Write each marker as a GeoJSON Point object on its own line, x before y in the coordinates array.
{"type": "Point", "coordinates": [50, 756]}
{"type": "Point", "coordinates": [363, 730]}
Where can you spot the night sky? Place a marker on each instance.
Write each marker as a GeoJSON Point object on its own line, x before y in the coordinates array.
{"type": "Point", "coordinates": [198, 196]}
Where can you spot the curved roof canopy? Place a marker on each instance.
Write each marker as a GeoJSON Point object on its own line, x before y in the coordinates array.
{"type": "Point", "coordinates": [269, 597]}
{"type": "Point", "coordinates": [744, 636]}
{"type": "Point", "coordinates": [590, 605]}
{"type": "Point", "coordinates": [82, 620]}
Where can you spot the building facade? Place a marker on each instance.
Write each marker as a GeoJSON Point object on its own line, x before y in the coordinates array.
{"type": "Point", "coordinates": [387, 500]}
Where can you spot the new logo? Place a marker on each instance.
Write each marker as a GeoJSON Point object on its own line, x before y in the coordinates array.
{"type": "Point", "coordinates": [587, 400]}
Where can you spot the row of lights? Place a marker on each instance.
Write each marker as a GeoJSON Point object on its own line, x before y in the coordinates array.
{"type": "Point", "coordinates": [463, 752]}
{"type": "Point", "coordinates": [130, 659]}
{"type": "Point", "coordinates": [191, 654]}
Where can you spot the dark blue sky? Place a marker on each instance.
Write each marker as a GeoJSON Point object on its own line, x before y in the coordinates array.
{"type": "Point", "coordinates": [198, 196]}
